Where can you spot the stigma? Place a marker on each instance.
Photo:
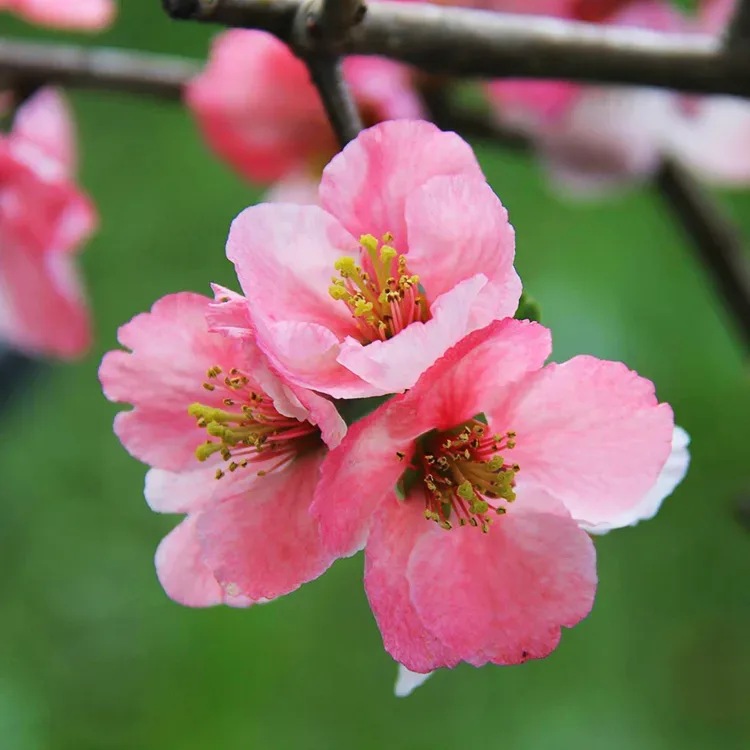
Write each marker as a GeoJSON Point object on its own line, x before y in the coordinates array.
{"type": "Point", "coordinates": [249, 431]}
{"type": "Point", "coordinates": [466, 479]}
{"type": "Point", "coordinates": [381, 293]}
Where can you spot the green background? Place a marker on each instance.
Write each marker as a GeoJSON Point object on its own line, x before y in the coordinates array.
{"type": "Point", "coordinates": [93, 656]}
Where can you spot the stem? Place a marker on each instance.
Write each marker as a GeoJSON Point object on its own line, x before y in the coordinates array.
{"type": "Point", "coordinates": [738, 31]}
{"type": "Point", "coordinates": [467, 42]}
{"type": "Point", "coordinates": [716, 239]}
{"type": "Point", "coordinates": [29, 63]}
{"type": "Point", "coordinates": [337, 100]}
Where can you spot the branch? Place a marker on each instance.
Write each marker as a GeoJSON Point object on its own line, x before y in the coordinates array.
{"type": "Point", "coordinates": [337, 17]}
{"type": "Point", "coordinates": [466, 42]}
{"type": "Point", "coordinates": [336, 97]}
{"type": "Point", "coordinates": [321, 29]}
{"type": "Point", "coordinates": [738, 31]}
{"type": "Point", "coordinates": [716, 239]}
{"type": "Point", "coordinates": [30, 64]}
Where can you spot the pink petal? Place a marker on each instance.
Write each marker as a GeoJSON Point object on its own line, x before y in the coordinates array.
{"type": "Point", "coordinates": [298, 187]}
{"type": "Point", "coordinates": [503, 597]}
{"type": "Point", "coordinates": [195, 486]}
{"type": "Point", "coordinates": [265, 544]}
{"type": "Point", "coordinates": [45, 120]}
{"type": "Point", "coordinates": [671, 475]}
{"type": "Point", "coordinates": [384, 90]}
{"type": "Point", "coordinates": [394, 365]}
{"type": "Point", "coordinates": [306, 354]}
{"type": "Point", "coordinates": [458, 228]}
{"type": "Point", "coordinates": [471, 375]}
{"type": "Point", "coordinates": [366, 185]}
{"type": "Point", "coordinates": [396, 529]}
{"type": "Point", "coordinates": [532, 102]}
{"type": "Point", "coordinates": [171, 349]}
{"type": "Point", "coordinates": [611, 136]}
{"type": "Point", "coordinates": [715, 141]}
{"type": "Point", "coordinates": [82, 15]}
{"type": "Point", "coordinates": [589, 432]}
{"type": "Point", "coordinates": [43, 307]}
{"type": "Point", "coordinates": [284, 256]}
{"type": "Point", "coordinates": [269, 127]}
{"type": "Point", "coordinates": [230, 315]}
{"type": "Point", "coordinates": [183, 573]}
{"type": "Point", "coordinates": [164, 438]}
{"type": "Point", "coordinates": [357, 477]}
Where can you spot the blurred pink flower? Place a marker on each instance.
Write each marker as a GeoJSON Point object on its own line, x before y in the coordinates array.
{"type": "Point", "coordinates": [246, 489]}
{"type": "Point", "coordinates": [418, 481]}
{"type": "Point", "coordinates": [44, 218]}
{"type": "Point", "coordinates": [259, 111]}
{"type": "Point", "coordinates": [80, 15]}
{"type": "Point", "coordinates": [422, 248]}
{"type": "Point", "coordinates": [595, 137]}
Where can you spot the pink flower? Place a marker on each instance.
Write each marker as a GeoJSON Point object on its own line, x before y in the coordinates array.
{"type": "Point", "coordinates": [230, 445]}
{"type": "Point", "coordinates": [421, 252]}
{"type": "Point", "coordinates": [81, 15]}
{"type": "Point", "coordinates": [258, 109]}
{"type": "Point", "coordinates": [563, 446]}
{"type": "Point", "coordinates": [44, 218]}
{"type": "Point", "coordinates": [595, 137]}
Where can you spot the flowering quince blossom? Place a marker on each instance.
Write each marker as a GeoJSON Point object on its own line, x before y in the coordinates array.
{"type": "Point", "coordinates": [595, 137]}
{"type": "Point", "coordinates": [81, 15]}
{"type": "Point", "coordinates": [258, 109]}
{"type": "Point", "coordinates": [44, 218]}
{"type": "Point", "coordinates": [408, 252]}
{"type": "Point", "coordinates": [230, 445]}
{"type": "Point", "coordinates": [472, 493]}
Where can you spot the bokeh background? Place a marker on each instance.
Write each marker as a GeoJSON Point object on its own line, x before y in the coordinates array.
{"type": "Point", "coordinates": [93, 656]}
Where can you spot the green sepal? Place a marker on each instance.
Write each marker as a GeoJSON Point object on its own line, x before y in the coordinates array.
{"type": "Point", "coordinates": [528, 309]}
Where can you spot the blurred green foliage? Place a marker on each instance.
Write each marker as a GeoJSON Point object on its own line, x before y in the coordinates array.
{"type": "Point", "coordinates": [94, 657]}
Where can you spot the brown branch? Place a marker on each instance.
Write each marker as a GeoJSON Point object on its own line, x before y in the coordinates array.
{"type": "Point", "coordinates": [319, 30]}
{"type": "Point", "coordinates": [337, 99]}
{"type": "Point", "coordinates": [337, 17]}
{"type": "Point", "coordinates": [714, 236]}
{"type": "Point", "coordinates": [738, 31]}
{"type": "Point", "coordinates": [31, 64]}
{"type": "Point", "coordinates": [466, 42]}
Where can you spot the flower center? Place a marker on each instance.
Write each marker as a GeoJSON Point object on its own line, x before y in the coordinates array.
{"type": "Point", "coordinates": [464, 475]}
{"type": "Point", "coordinates": [383, 297]}
{"type": "Point", "coordinates": [250, 431]}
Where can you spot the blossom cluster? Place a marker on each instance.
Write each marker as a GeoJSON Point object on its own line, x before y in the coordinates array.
{"type": "Point", "coordinates": [472, 487]}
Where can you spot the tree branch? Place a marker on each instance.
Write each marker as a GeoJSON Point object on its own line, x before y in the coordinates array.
{"type": "Point", "coordinates": [716, 239]}
{"type": "Point", "coordinates": [466, 42]}
{"type": "Point", "coordinates": [337, 17]}
{"type": "Point", "coordinates": [738, 31]}
{"type": "Point", "coordinates": [338, 102]}
{"type": "Point", "coordinates": [28, 63]}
